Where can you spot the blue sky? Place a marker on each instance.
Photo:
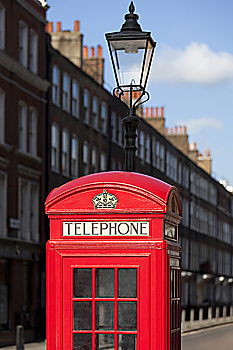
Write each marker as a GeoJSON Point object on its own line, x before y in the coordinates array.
{"type": "Point", "coordinates": [192, 74]}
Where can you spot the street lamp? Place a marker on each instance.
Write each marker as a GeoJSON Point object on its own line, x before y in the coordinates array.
{"type": "Point", "coordinates": [131, 51]}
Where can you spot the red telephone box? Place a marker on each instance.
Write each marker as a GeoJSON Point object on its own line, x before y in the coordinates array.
{"type": "Point", "coordinates": [113, 264]}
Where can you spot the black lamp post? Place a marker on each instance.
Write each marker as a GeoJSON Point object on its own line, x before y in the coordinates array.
{"type": "Point", "coordinates": [131, 52]}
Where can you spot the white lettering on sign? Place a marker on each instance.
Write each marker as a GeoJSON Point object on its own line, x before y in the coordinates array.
{"type": "Point", "coordinates": [106, 228]}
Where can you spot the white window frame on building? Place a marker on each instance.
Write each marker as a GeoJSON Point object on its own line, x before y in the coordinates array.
{"type": "Point", "coordinates": [66, 92]}
{"type": "Point", "coordinates": [86, 154]}
{"type": "Point", "coordinates": [3, 204]}
{"type": "Point", "coordinates": [120, 132]}
{"type": "Point", "coordinates": [55, 147]}
{"type": "Point", "coordinates": [32, 131]}
{"type": "Point", "coordinates": [95, 113]}
{"type": "Point", "coordinates": [86, 106]}
{"type": "Point", "coordinates": [75, 99]}
{"type": "Point", "coordinates": [103, 117]}
{"type": "Point", "coordinates": [114, 127]}
{"type": "Point", "coordinates": [56, 83]}
{"type": "Point", "coordinates": [103, 161]}
{"type": "Point", "coordinates": [33, 51]}
{"type": "Point", "coordinates": [74, 157]}
{"type": "Point", "coordinates": [2, 27]}
{"type": "Point", "coordinates": [94, 159]}
{"type": "Point", "coordinates": [28, 210]}
{"type": "Point", "coordinates": [22, 127]}
{"type": "Point", "coordinates": [147, 149]}
{"type": "Point", "coordinates": [65, 156]}
{"type": "Point", "coordinates": [23, 43]}
{"type": "Point", "coordinates": [2, 115]}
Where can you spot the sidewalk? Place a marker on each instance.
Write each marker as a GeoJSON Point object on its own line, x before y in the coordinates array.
{"type": "Point", "coordinates": [31, 346]}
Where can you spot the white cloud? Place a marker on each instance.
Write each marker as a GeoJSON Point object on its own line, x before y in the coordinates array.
{"type": "Point", "coordinates": [194, 64]}
{"type": "Point", "coordinates": [195, 126]}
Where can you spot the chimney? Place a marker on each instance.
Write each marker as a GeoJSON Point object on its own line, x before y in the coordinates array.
{"type": "Point", "coordinates": [85, 52]}
{"type": "Point", "coordinates": [162, 112]}
{"type": "Point", "coordinates": [76, 26]}
{"type": "Point", "coordinates": [155, 119]}
{"type": "Point", "coordinates": [147, 112]}
{"type": "Point", "coordinates": [92, 52]}
{"type": "Point", "coordinates": [157, 112]}
{"type": "Point", "coordinates": [49, 27]}
{"type": "Point", "coordinates": [58, 27]}
{"type": "Point", "coordinates": [178, 137]}
{"type": "Point", "coordinates": [99, 51]}
{"type": "Point", "coordinates": [204, 161]}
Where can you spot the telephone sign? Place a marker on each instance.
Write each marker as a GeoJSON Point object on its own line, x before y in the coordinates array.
{"type": "Point", "coordinates": [113, 264]}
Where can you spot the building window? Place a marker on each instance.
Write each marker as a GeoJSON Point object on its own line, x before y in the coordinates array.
{"type": "Point", "coordinates": [65, 152]}
{"type": "Point", "coordinates": [3, 204]}
{"type": "Point", "coordinates": [141, 150]}
{"type": "Point", "coordinates": [103, 118]}
{"type": "Point", "coordinates": [147, 149]}
{"type": "Point", "coordinates": [120, 132]}
{"type": "Point", "coordinates": [22, 143]}
{"type": "Point", "coordinates": [23, 44]}
{"type": "Point", "coordinates": [2, 116]}
{"type": "Point", "coordinates": [56, 85]}
{"type": "Point", "coordinates": [75, 98]}
{"type": "Point", "coordinates": [66, 92]}
{"type": "Point", "coordinates": [94, 159]}
{"type": "Point", "coordinates": [114, 126]}
{"type": "Point", "coordinates": [86, 106]}
{"type": "Point", "coordinates": [74, 157]}
{"type": "Point", "coordinates": [103, 162]}
{"type": "Point", "coordinates": [32, 131]}
{"type": "Point", "coordinates": [33, 51]}
{"type": "Point", "coordinates": [2, 27]}
{"type": "Point", "coordinates": [29, 210]}
{"type": "Point", "coordinates": [95, 113]}
{"type": "Point", "coordinates": [85, 158]}
{"type": "Point", "coordinates": [55, 148]}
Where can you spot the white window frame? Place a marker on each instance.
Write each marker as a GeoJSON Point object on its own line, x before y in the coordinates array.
{"type": "Point", "coordinates": [2, 116]}
{"type": "Point", "coordinates": [2, 27]}
{"type": "Point", "coordinates": [55, 147]}
{"type": "Point", "coordinates": [32, 131]}
{"type": "Point", "coordinates": [114, 127]}
{"type": "Point", "coordinates": [75, 99]}
{"type": "Point", "coordinates": [33, 51]}
{"type": "Point", "coordinates": [74, 157]}
{"type": "Point", "coordinates": [56, 82]}
{"type": "Point", "coordinates": [103, 117]}
{"type": "Point", "coordinates": [95, 113]}
{"type": "Point", "coordinates": [65, 152]}
{"type": "Point", "coordinates": [66, 91]}
{"type": "Point", "coordinates": [23, 43]}
{"type": "Point", "coordinates": [86, 106]}
{"type": "Point", "coordinates": [94, 159]}
{"type": "Point", "coordinates": [28, 210]}
{"type": "Point", "coordinates": [3, 204]}
{"type": "Point", "coordinates": [22, 127]}
{"type": "Point", "coordinates": [103, 161]}
{"type": "Point", "coordinates": [86, 153]}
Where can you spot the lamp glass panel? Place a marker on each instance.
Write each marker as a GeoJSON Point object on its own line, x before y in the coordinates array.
{"type": "Point", "coordinates": [128, 56]}
{"type": "Point", "coordinates": [147, 63]}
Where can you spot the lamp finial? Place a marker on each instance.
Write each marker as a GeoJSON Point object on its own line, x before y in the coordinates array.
{"type": "Point", "coordinates": [131, 7]}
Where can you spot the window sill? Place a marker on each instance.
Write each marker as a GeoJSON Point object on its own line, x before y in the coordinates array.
{"type": "Point", "coordinates": [29, 156]}
{"type": "Point", "coordinates": [6, 146]}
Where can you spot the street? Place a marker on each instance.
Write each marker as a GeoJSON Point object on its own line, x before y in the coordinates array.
{"type": "Point", "coordinates": [211, 339]}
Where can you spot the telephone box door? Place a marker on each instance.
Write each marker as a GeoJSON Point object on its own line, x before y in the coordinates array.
{"type": "Point", "coordinates": [106, 303]}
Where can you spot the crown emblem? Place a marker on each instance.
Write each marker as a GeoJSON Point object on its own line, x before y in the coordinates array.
{"type": "Point", "coordinates": [105, 200]}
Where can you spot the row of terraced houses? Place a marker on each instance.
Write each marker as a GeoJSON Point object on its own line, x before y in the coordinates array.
{"type": "Point", "coordinates": [57, 123]}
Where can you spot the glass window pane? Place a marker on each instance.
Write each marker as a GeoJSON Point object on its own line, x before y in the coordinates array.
{"type": "Point", "coordinates": [127, 287]}
{"type": "Point", "coordinates": [82, 315]}
{"type": "Point", "coordinates": [105, 315]}
{"type": "Point", "coordinates": [104, 283]}
{"type": "Point", "coordinates": [82, 283]}
{"type": "Point", "coordinates": [82, 342]}
{"type": "Point", "coordinates": [127, 315]}
{"type": "Point", "coordinates": [126, 341]}
{"type": "Point", "coordinates": [105, 341]}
